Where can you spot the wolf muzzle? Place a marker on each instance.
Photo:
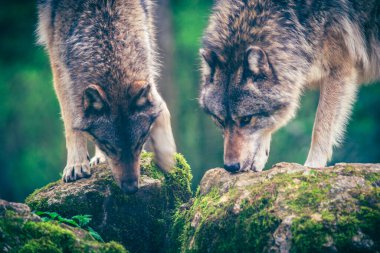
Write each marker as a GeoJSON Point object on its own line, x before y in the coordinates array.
{"type": "Point", "coordinates": [233, 168]}
{"type": "Point", "coordinates": [129, 186]}
{"type": "Point", "coordinates": [126, 174]}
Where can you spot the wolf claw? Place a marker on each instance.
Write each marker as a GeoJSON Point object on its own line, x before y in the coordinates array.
{"type": "Point", "coordinates": [73, 172]}
{"type": "Point", "coordinates": [97, 160]}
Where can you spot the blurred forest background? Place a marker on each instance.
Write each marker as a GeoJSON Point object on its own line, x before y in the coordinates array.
{"type": "Point", "coordinates": [32, 151]}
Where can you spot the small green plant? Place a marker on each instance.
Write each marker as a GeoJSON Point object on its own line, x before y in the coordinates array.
{"type": "Point", "coordinates": [79, 221]}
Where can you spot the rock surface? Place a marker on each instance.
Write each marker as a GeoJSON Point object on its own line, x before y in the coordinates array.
{"type": "Point", "coordinates": [140, 221]}
{"type": "Point", "coordinates": [289, 208]}
{"type": "Point", "coordinates": [22, 231]}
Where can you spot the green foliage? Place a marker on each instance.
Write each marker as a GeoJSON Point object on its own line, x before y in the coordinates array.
{"type": "Point", "coordinates": [94, 234]}
{"type": "Point", "coordinates": [19, 235]}
{"type": "Point", "coordinates": [80, 221]}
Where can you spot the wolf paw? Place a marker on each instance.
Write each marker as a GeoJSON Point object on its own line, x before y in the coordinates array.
{"type": "Point", "coordinates": [315, 165]}
{"type": "Point", "coordinates": [97, 160]}
{"type": "Point", "coordinates": [257, 167]}
{"type": "Point", "coordinates": [73, 172]}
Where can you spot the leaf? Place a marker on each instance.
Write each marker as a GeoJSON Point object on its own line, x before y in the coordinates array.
{"type": "Point", "coordinates": [53, 215]}
{"type": "Point", "coordinates": [95, 234]}
{"type": "Point", "coordinates": [45, 219]}
{"type": "Point", "coordinates": [82, 220]}
{"type": "Point", "coordinates": [39, 213]}
{"type": "Point", "coordinates": [47, 215]}
{"type": "Point", "coordinates": [68, 221]}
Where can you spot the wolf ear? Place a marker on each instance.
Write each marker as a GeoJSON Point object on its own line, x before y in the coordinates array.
{"type": "Point", "coordinates": [210, 58]}
{"type": "Point", "coordinates": [257, 61]}
{"type": "Point", "coordinates": [94, 100]}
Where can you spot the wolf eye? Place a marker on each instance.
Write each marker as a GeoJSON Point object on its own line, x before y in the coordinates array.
{"type": "Point", "coordinates": [218, 122]}
{"type": "Point", "coordinates": [108, 147]}
{"type": "Point", "coordinates": [244, 121]}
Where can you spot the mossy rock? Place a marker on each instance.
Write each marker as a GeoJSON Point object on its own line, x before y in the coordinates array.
{"type": "Point", "coordinates": [22, 231]}
{"type": "Point", "coordinates": [139, 221]}
{"type": "Point", "coordinates": [289, 208]}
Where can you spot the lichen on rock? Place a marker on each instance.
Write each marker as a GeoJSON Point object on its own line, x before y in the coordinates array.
{"type": "Point", "coordinates": [289, 208]}
{"type": "Point", "coordinates": [139, 221]}
{"type": "Point", "coordinates": [22, 231]}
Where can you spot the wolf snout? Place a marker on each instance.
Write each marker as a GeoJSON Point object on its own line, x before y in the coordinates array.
{"type": "Point", "coordinates": [233, 168]}
{"type": "Point", "coordinates": [130, 186]}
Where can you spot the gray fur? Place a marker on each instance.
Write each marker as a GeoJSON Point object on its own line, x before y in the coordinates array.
{"type": "Point", "coordinates": [259, 55]}
{"type": "Point", "coordinates": [102, 54]}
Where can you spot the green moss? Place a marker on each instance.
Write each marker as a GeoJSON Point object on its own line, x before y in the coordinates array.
{"type": "Point", "coordinates": [308, 235]}
{"type": "Point", "coordinates": [312, 236]}
{"type": "Point", "coordinates": [41, 245]}
{"type": "Point", "coordinates": [139, 221]}
{"type": "Point", "coordinates": [112, 247]}
{"type": "Point", "coordinates": [19, 235]}
{"type": "Point", "coordinates": [62, 238]}
{"type": "Point", "coordinates": [370, 177]}
{"type": "Point", "coordinates": [349, 171]}
{"type": "Point", "coordinates": [177, 184]}
{"type": "Point", "coordinates": [40, 203]}
{"type": "Point", "coordinates": [307, 197]}
{"type": "Point", "coordinates": [182, 229]}
{"type": "Point", "coordinates": [219, 229]}
{"type": "Point", "coordinates": [373, 178]}
{"type": "Point", "coordinates": [212, 225]}
{"type": "Point", "coordinates": [340, 226]}
{"type": "Point", "coordinates": [303, 191]}
{"type": "Point", "coordinates": [69, 205]}
{"type": "Point", "coordinates": [149, 168]}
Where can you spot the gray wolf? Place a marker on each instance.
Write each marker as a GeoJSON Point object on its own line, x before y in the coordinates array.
{"type": "Point", "coordinates": [259, 55]}
{"type": "Point", "coordinates": [103, 59]}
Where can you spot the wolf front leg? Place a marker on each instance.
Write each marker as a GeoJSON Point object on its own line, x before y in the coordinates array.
{"type": "Point", "coordinates": [161, 140]}
{"type": "Point", "coordinates": [77, 165]}
{"type": "Point", "coordinates": [337, 95]}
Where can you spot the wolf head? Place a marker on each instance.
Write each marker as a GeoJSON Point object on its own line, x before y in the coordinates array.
{"type": "Point", "coordinates": [254, 65]}
{"type": "Point", "coordinates": [120, 126]}
{"type": "Point", "coordinates": [248, 101]}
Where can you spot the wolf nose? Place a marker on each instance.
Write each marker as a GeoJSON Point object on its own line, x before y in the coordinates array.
{"type": "Point", "coordinates": [129, 187]}
{"type": "Point", "coordinates": [235, 167]}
